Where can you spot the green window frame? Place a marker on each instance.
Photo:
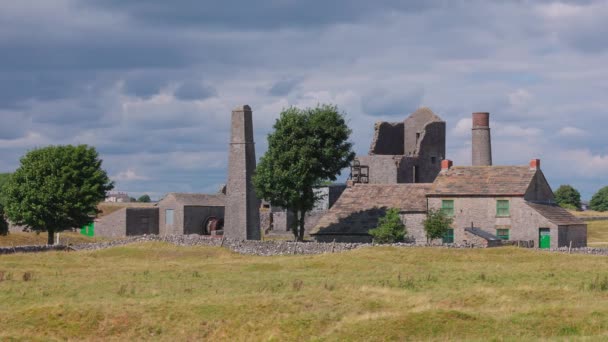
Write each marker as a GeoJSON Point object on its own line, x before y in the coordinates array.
{"type": "Point", "coordinates": [449, 236]}
{"type": "Point", "coordinates": [502, 233]}
{"type": "Point", "coordinates": [447, 207]}
{"type": "Point", "coordinates": [503, 208]}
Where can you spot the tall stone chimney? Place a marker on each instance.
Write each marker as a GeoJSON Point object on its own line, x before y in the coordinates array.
{"type": "Point", "coordinates": [242, 210]}
{"type": "Point", "coordinates": [482, 142]}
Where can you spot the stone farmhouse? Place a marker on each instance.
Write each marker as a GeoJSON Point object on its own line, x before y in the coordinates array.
{"type": "Point", "coordinates": [487, 203]}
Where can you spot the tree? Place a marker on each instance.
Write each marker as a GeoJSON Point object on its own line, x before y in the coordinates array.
{"type": "Point", "coordinates": [144, 199]}
{"type": "Point", "coordinates": [436, 224]}
{"type": "Point", "coordinates": [307, 147]}
{"type": "Point", "coordinates": [4, 177]}
{"type": "Point", "coordinates": [568, 197]}
{"type": "Point", "coordinates": [599, 201]}
{"type": "Point", "coordinates": [390, 228]}
{"type": "Point", "coordinates": [56, 188]}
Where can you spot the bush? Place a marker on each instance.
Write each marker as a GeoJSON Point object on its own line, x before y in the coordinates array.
{"type": "Point", "coordinates": [599, 201]}
{"type": "Point", "coordinates": [390, 228]}
{"type": "Point", "coordinates": [436, 224]}
{"type": "Point", "coordinates": [568, 197]}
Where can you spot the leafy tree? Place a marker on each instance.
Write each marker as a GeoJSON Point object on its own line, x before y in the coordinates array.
{"type": "Point", "coordinates": [56, 188]}
{"type": "Point", "coordinates": [307, 147]}
{"type": "Point", "coordinates": [144, 199]}
{"type": "Point", "coordinates": [599, 201]}
{"type": "Point", "coordinates": [568, 197]}
{"type": "Point", "coordinates": [4, 177]}
{"type": "Point", "coordinates": [390, 228]}
{"type": "Point", "coordinates": [436, 224]}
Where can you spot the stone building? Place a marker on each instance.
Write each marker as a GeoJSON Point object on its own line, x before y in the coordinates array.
{"type": "Point", "coordinates": [488, 203]}
{"type": "Point", "coordinates": [185, 214]}
{"type": "Point", "coordinates": [128, 221]}
{"type": "Point", "coordinates": [406, 152]}
{"type": "Point", "coordinates": [507, 202]}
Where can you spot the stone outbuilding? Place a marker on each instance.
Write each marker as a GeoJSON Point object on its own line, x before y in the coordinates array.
{"type": "Point", "coordinates": [183, 213]}
{"type": "Point", "coordinates": [362, 205]}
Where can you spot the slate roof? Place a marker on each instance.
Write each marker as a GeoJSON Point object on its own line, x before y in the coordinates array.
{"type": "Point", "coordinates": [555, 214]}
{"type": "Point", "coordinates": [204, 200]}
{"type": "Point", "coordinates": [360, 206]}
{"type": "Point", "coordinates": [483, 181]}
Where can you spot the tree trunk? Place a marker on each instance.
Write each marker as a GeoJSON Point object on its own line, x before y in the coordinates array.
{"type": "Point", "coordinates": [301, 224]}
{"type": "Point", "coordinates": [294, 225]}
{"type": "Point", "coordinates": [51, 237]}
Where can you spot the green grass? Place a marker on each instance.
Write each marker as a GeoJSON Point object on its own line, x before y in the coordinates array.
{"type": "Point", "coordinates": [159, 291]}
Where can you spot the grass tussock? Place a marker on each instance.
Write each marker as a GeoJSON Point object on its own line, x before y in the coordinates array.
{"type": "Point", "coordinates": [162, 292]}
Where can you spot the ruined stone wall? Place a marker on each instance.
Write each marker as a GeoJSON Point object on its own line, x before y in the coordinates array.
{"type": "Point", "coordinates": [523, 222]}
{"type": "Point", "coordinates": [432, 151]}
{"type": "Point", "coordinates": [388, 139]}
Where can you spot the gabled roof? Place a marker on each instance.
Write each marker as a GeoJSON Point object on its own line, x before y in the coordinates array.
{"type": "Point", "coordinates": [555, 214]}
{"type": "Point", "coordinates": [483, 181]}
{"type": "Point", "coordinates": [427, 112]}
{"type": "Point", "coordinates": [360, 206]}
{"type": "Point", "coordinates": [205, 200]}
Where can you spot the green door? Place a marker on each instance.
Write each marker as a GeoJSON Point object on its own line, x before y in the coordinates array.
{"type": "Point", "coordinates": [544, 238]}
{"type": "Point", "coordinates": [449, 236]}
{"type": "Point", "coordinates": [88, 230]}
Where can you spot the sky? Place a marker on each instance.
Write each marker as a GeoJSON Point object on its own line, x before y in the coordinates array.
{"type": "Point", "coordinates": [151, 84]}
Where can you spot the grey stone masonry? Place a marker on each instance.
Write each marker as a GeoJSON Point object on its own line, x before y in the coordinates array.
{"type": "Point", "coordinates": [242, 219]}
{"type": "Point", "coordinates": [481, 145]}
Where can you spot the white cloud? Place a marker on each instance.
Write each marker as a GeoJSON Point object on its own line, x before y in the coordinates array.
{"type": "Point", "coordinates": [569, 131]}
{"type": "Point", "coordinates": [520, 98]}
{"type": "Point", "coordinates": [128, 175]}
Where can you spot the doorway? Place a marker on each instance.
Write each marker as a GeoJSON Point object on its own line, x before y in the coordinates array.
{"type": "Point", "coordinates": [544, 238]}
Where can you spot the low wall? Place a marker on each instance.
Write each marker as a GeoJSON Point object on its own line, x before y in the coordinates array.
{"type": "Point", "coordinates": [32, 249]}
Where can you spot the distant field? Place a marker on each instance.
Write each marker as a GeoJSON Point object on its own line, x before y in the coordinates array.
{"type": "Point", "coordinates": [597, 233]}
{"type": "Point", "coordinates": [159, 291]}
{"type": "Point", "coordinates": [589, 213]}
{"type": "Point", "coordinates": [23, 239]}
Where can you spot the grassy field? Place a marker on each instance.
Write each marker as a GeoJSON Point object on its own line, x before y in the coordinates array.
{"type": "Point", "coordinates": [23, 239]}
{"type": "Point", "coordinates": [597, 233]}
{"type": "Point", "coordinates": [158, 291]}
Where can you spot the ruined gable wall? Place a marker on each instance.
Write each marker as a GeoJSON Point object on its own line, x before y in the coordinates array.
{"type": "Point", "coordinates": [388, 138]}
{"type": "Point", "coordinates": [432, 149]}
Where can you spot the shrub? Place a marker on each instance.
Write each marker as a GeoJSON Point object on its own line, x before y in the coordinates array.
{"type": "Point", "coordinates": [599, 201]}
{"type": "Point", "coordinates": [436, 224]}
{"type": "Point", "coordinates": [568, 197]}
{"type": "Point", "coordinates": [390, 228]}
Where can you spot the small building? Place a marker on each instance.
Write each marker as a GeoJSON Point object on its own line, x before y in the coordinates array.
{"type": "Point", "coordinates": [183, 214]}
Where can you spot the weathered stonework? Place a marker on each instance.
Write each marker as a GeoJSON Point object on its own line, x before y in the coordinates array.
{"type": "Point", "coordinates": [242, 206]}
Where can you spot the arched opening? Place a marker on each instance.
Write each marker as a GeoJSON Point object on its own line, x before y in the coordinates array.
{"type": "Point", "coordinates": [213, 225]}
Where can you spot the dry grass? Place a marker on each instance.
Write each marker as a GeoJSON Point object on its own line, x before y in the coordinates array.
{"type": "Point", "coordinates": [30, 239]}
{"type": "Point", "coordinates": [589, 213]}
{"type": "Point", "coordinates": [597, 233]}
{"type": "Point", "coordinates": [159, 291]}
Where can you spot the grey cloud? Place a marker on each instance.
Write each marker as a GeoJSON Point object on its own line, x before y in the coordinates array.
{"type": "Point", "coordinates": [284, 87]}
{"type": "Point", "coordinates": [194, 90]}
{"type": "Point", "coordinates": [391, 102]}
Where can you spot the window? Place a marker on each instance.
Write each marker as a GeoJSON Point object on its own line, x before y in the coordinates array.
{"type": "Point", "coordinates": [502, 234]}
{"type": "Point", "coordinates": [447, 207]}
{"type": "Point", "coordinates": [502, 208]}
{"type": "Point", "coordinates": [449, 236]}
{"type": "Point", "coordinates": [433, 160]}
{"type": "Point", "coordinates": [169, 216]}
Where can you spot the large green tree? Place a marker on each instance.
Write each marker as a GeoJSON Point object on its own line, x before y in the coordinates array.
{"type": "Point", "coordinates": [56, 188]}
{"type": "Point", "coordinates": [4, 177]}
{"type": "Point", "coordinates": [144, 199]}
{"type": "Point", "coordinates": [599, 201]}
{"type": "Point", "coordinates": [308, 146]}
{"type": "Point", "coordinates": [568, 197]}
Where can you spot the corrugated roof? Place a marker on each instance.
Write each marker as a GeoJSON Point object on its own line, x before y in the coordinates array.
{"type": "Point", "coordinates": [555, 214]}
{"type": "Point", "coordinates": [483, 181]}
{"type": "Point", "coordinates": [215, 200]}
{"type": "Point", "coordinates": [359, 207]}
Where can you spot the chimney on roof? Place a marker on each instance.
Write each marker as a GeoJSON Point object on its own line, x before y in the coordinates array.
{"type": "Point", "coordinates": [535, 164]}
{"type": "Point", "coordinates": [481, 143]}
{"type": "Point", "coordinates": [446, 164]}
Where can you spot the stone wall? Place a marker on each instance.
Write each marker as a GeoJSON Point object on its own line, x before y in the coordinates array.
{"type": "Point", "coordinates": [170, 203]}
{"type": "Point", "coordinates": [113, 225]}
{"type": "Point", "coordinates": [388, 139]}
